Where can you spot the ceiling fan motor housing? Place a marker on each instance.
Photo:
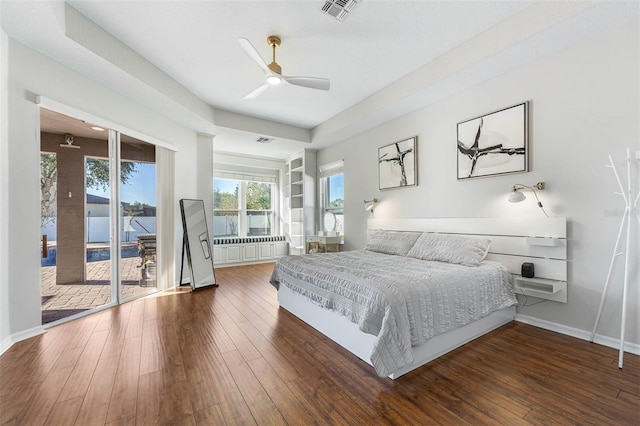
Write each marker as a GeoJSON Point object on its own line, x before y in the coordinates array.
{"type": "Point", "coordinates": [274, 41]}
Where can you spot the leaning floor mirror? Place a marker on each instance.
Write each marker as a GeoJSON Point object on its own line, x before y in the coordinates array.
{"type": "Point", "coordinates": [196, 244]}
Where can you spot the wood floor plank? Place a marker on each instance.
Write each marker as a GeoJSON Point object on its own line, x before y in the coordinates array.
{"type": "Point", "coordinates": [210, 381]}
{"type": "Point", "coordinates": [176, 405]}
{"type": "Point", "coordinates": [125, 389]}
{"type": "Point", "coordinates": [124, 421]}
{"type": "Point", "coordinates": [151, 350]}
{"type": "Point", "coordinates": [261, 406]}
{"type": "Point", "coordinates": [65, 412]}
{"type": "Point", "coordinates": [82, 374]}
{"type": "Point", "coordinates": [150, 397]}
{"type": "Point", "coordinates": [45, 397]}
{"type": "Point", "coordinates": [230, 355]}
{"type": "Point", "coordinates": [240, 341]}
{"type": "Point", "coordinates": [211, 415]}
{"type": "Point", "coordinates": [321, 404]}
{"type": "Point", "coordinates": [288, 405]}
{"type": "Point", "coordinates": [96, 401]}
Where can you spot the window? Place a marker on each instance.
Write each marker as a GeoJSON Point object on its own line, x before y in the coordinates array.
{"type": "Point", "coordinates": [242, 207]}
{"type": "Point", "coordinates": [332, 197]}
{"type": "Point", "coordinates": [259, 210]}
{"type": "Point", "coordinates": [225, 207]}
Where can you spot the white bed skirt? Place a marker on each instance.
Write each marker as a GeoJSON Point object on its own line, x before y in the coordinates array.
{"type": "Point", "coordinates": [345, 333]}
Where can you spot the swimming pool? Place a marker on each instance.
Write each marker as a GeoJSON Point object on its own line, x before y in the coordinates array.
{"type": "Point", "coordinates": [94, 254]}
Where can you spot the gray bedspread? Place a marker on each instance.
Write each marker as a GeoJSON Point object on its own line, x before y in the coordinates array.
{"type": "Point", "coordinates": [402, 300]}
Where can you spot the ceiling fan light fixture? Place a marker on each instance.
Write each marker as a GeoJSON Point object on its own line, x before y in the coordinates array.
{"type": "Point", "coordinates": [274, 80]}
{"type": "Point", "coordinates": [273, 71]}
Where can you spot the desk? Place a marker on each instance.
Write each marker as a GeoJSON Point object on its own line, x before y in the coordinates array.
{"type": "Point", "coordinates": [323, 244]}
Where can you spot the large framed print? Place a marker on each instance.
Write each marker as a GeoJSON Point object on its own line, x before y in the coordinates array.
{"type": "Point", "coordinates": [494, 144]}
{"type": "Point", "coordinates": [397, 164]}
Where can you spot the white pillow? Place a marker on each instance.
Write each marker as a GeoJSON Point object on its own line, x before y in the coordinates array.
{"type": "Point", "coordinates": [450, 248]}
{"type": "Point", "coordinates": [391, 242]}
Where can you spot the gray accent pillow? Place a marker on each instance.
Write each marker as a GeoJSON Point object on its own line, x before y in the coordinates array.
{"type": "Point", "coordinates": [467, 251]}
{"type": "Point", "coordinates": [391, 242]}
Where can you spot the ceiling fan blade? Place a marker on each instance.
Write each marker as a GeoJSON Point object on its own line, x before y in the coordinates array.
{"type": "Point", "coordinates": [253, 54]}
{"type": "Point", "coordinates": [310, 82]}
{"type": "Point", "coordinates": [257, 91]}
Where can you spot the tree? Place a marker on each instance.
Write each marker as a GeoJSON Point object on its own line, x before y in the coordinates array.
{"type": "Point", "coordinates": [48, 179]}
{"type": "Point", "coordinates": [338, 203]}
{"type": "Point", "coordinates": [258, 196]}
{"type": "Point", "coordinates": [97, 176]}
{"type": "Point", "coordinates": [97, 172]}
{"type": "Point", "coordinates": [227, 201]}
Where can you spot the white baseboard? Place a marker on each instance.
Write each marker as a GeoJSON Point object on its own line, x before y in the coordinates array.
{"type": "Point", "coordinates": [22, 335]}
{"type": "Point", "coordinates": [252, 262]}
{"type": "Point", "coordinates": [611, 342]}
{"type": "Point", "coordinates": [17, 337]}
{"type": "Point", "coordinates": [5, 344]}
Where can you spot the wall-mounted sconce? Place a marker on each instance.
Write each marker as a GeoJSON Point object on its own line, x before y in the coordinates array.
{"type": "Point", "coordinates": [368, 204]}
{"type": "Point", "coordinates": [517, 195]}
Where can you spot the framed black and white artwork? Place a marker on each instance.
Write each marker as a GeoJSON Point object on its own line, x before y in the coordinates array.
{"type": "Point", "coordinates": [494, 144]}
{"type": "Point", "coordinates": [397, 164]}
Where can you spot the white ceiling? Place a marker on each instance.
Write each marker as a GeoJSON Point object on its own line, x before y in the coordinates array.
{"type": "Point", "coordinates": [182, 58]}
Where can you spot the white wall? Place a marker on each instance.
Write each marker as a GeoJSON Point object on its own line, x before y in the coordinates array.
{"type": "Point", "coordinates": [5, 331]}
{"type": "Point", "coordinates": [584, 105]}
{"type": "Point", "coordinates": [205, 177]}
{"type": "Point", "coordinates": [31, 74]}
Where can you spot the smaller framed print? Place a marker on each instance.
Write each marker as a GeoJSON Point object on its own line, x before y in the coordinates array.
{"type": "Point", "coordinates": [397, 164]}
{"type": "Point", "coordinates": [495, 143]}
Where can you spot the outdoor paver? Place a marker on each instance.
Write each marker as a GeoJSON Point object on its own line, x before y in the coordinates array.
{"type": "Point", "coordinates": [73, 297]}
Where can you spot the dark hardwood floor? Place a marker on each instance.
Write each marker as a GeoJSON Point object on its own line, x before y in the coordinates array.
{"type": "Point", "coordinates": [231, 356]}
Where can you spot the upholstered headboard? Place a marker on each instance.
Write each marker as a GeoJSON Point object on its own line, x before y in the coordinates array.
{"type": "Point", "coordinates": [542, 242]}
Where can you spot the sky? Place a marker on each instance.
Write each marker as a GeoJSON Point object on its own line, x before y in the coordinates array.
{"type": "Point", "coordinates": [336, 187]}
{"type": "Point", "coordinates": [141, 186]}
{"type": "Point", "coordinates": [225, 185]}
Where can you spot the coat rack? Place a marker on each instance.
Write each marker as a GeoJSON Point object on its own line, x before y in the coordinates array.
{"type": "Point", "coordinates": [625, 224]}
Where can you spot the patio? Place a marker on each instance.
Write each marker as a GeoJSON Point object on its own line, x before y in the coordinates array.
{"type": "Point", "coordinates": [61, 301]}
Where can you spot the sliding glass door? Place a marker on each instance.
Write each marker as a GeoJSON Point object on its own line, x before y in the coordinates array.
{"type": "Point", "coordinates": [98, 217]}
{"type": "Point", "coordinates": [138, 217]}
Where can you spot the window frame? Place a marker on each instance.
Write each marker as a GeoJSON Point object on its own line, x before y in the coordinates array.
{"type": "Point", "coordinates": [242, 211]}
{"type": "Point", "coordinates": [328, 171]}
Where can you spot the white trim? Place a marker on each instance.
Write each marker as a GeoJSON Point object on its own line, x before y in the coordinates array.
{"type": "Point", "coordinates": [611, 342]}
{"type": "Point", "coordinates": [554, 227]}
{"type": "Point", "coordinates": [331, 169]}
{"type": "Point", "coordinates": [5, 345]}
{"type": "Point", "coordinates": [26, 334]}
{"type": "Point", "coordinates": [56, 106]}
{"type": "Point", "coordinates": [20, 336]}
{"type": "Point", "coordinates": [245, 176]}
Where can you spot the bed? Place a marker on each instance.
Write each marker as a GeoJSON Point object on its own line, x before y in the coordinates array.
{"type": "Point", "coordinates": [417, 291]}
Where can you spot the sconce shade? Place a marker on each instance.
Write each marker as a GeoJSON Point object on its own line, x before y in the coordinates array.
{"type": "Point", "coordinates": [516, 196]}
{"type": "Point", "coordinates": [368, 204]}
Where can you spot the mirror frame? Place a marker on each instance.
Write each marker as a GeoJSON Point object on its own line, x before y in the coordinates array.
{"type": "Point", "coordinates": [196, 243]}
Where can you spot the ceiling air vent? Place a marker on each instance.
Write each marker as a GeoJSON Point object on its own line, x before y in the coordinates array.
{"type": "Point", "coordinates": [339, 9]}
{"type": "Point", "coordinates": [262, 139]}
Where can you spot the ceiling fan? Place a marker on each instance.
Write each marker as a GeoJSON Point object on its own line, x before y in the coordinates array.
{"type": "Point", "coordinates": [273, 71]}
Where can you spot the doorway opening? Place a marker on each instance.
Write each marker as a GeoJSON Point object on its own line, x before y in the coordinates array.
{"type": "Point", "coordinates": [82, 268]}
